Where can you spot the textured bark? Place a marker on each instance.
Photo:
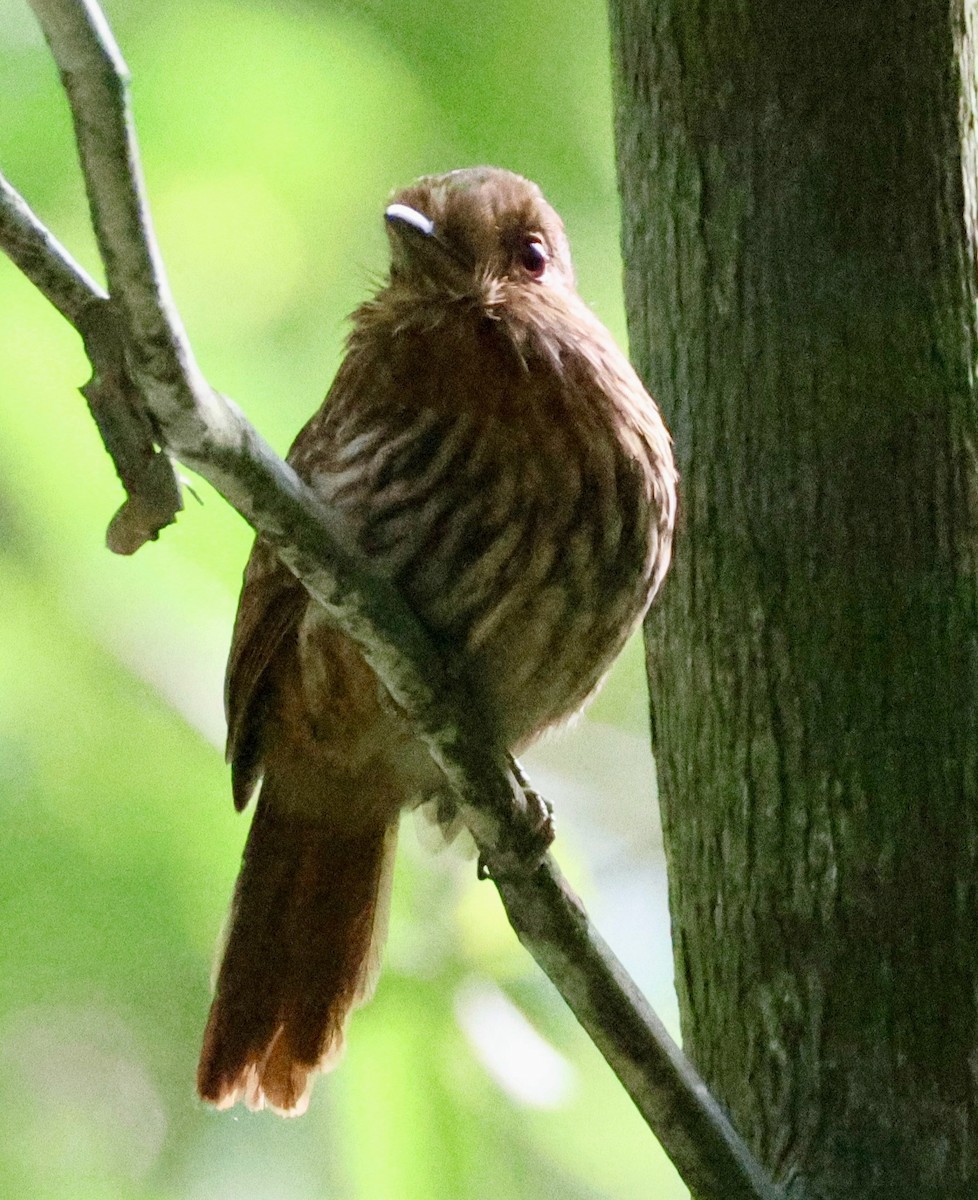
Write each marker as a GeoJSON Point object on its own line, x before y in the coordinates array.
{"type": "Point", "coordinates": [798, 197]}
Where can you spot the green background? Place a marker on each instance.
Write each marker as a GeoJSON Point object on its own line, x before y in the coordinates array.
{"type": "Point", "coordinates": [271, 136]}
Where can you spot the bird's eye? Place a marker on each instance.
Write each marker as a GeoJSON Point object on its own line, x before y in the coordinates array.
{"type": "Point", "coordinates": [534, 257]}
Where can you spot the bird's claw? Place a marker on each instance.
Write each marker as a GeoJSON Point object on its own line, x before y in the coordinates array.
{"type": "Point", "coordinates": [540, 815]}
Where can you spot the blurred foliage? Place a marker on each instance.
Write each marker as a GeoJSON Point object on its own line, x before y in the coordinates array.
{"type": "Point", "coordinates": [271, 135]}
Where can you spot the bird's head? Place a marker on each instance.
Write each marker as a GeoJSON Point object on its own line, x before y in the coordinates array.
{"type": "Point", "coordinates": [481, 232]}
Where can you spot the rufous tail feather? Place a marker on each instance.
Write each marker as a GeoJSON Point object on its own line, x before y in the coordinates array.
{"type": "Point", "coordinates": [306, 928]}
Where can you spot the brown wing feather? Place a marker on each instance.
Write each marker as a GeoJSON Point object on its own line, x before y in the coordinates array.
{"type": "Point", "coordinates": [269, 611]}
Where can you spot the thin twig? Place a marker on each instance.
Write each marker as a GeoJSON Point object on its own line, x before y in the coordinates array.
{"type": "Point", "coordinates": [209, 434]}
{"type": "Point", "coordinates": [152, 491]}
{"type": "Point", "coordinates": [43, 259]}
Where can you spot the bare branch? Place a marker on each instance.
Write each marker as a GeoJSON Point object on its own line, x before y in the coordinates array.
{"type": "Point", "coordinates": [127, 429]}
{"type": "Point", "coordinates": [153, 494]}
{"type": "Point", "coordinates": [96, 81]}
{"type": "Point", "coordinates": [42, 258]}
{"type": "Point", "coordinates": [209, 434]}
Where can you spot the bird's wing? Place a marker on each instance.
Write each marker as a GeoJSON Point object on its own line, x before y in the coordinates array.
{"type": "Point", "coordinates": [269, 611]}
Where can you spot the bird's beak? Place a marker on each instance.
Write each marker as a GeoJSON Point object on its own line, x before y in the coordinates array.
{"type": "Point", "coordinates": [419, 237]}
{"type": "Point", "coordinates": [408, 222]}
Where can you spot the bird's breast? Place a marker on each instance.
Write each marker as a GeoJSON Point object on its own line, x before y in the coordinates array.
{"type": "Point", "coordinates": [497, 489]}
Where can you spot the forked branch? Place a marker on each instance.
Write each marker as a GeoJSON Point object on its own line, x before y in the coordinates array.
{"type": "Point", "coordinates": [144, 365]}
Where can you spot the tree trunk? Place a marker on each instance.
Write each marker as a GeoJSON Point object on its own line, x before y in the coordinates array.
{"type": "Point", "coordinates": [799, 235]}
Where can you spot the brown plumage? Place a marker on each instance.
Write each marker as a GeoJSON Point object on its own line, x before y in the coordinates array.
{"type": "Point", "coordinates": [497, 456]}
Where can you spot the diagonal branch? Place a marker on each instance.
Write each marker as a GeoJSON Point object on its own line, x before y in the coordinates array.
{"type": "Point", "coordinates": [208, 433]}
{"type": "Point", "coordinates": [43, 259]}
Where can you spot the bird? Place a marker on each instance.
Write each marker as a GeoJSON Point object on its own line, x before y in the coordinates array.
{"type": "Point", "coordinates": [496, 456]}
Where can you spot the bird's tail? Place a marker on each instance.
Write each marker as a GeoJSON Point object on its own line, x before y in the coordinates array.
{"type": "Point", "coordinates": [306, 928]}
